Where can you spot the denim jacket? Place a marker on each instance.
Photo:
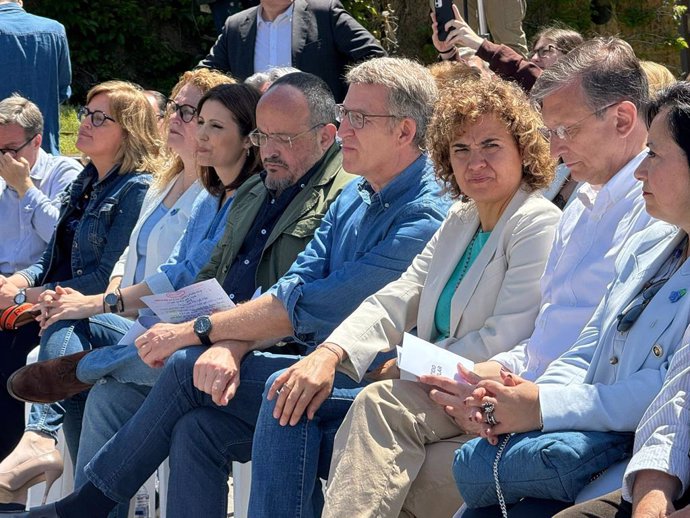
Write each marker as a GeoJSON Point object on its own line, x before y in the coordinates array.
{"type": "Point", "coordinates": [101, 234]}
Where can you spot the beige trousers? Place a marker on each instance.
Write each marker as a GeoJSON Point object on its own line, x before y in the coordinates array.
{"type": "Point", "coordinates": [503, 19]}
{"type": "Point", "coordinates": [392, 456]}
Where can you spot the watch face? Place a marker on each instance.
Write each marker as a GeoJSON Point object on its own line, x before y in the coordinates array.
{"type": "Point", "coordinates": [20, 297]}
{"type": "Point", "coordinates": [202, 326]}
{"type": "Point", "coordinates": [111, 299]}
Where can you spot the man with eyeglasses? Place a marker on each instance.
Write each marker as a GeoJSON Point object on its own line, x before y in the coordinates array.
{"type": "Point", "coordinates": [368, 237]}
{"type": "Point", "coordinates": [592, 101]}
{"type": "Point", "coordinates": [608, 209]}
{"type": "Point", "coordinates": [30, 183]}
{"type": "Point", "coordinates": [315, 36]}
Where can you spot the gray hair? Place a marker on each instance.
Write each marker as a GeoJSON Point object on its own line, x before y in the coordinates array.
{"type": "Point", "coordinates": [15, 109]}
{"type": "Point", "coordinates": [607, 69]}
{"type": "Point", "coordinates": [412, 89]}
{"type": "Point", "coordinates": [319, 97]}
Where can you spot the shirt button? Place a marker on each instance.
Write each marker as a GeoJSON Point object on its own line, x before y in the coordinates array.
{"type": "Point", "coordinates": [79, 272]}
{"type": "Point", "coordinates": [232, 296]}
{"type": "Point", "coordinates": [273, 201]}
{"type": "Point", "coordinates": [225, 269]}
{"type": "Point", "coordinates": [246, 261]}
{"type": "Point", "coordinates": [386, 205]}
{"type": "Point", "coordinates": [301, 186]}
{"type": "Point", "coordinates": [613, 360]}
{"type": "Point", "coordinates": [263, 231]}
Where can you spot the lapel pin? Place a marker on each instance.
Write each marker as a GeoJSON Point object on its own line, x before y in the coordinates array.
{"type": "Point", "coordinates": [657, 350]}
{"type": "Point", "coordinates": [676, 295]}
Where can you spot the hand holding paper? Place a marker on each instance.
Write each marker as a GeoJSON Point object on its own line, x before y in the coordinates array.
{"type": "Point", "coordinates": [418, 357]}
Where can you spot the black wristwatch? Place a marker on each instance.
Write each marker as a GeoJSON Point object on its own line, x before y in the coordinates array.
{"type": "Point", "coordinates": [20, 297]}
{"type": "Point", "coordinates": [111, 299]}
{"type": "Point", "coordinates": [202, 328]}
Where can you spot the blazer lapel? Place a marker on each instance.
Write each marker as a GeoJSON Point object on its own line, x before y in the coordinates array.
{"type": "Point", "coordinates": [457, 233]}
{"type": "Point", "coordinates": [247, 33]}
{"type": "Point", "coordinates": [300, 29]}
{"type": "Point", "coordinates": [468, 284]}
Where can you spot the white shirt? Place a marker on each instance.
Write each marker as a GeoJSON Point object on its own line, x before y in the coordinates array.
{"type": "Point", "coordinates": [662, 440]}
{"type": "Point", "coordinates": [273, 45]}
{"type": "Point", "coordinates": [594, 226]}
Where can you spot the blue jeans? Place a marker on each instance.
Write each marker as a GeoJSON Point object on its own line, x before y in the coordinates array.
{"type": "Point", "coordinates": [108, 407]}
{"type": "Point", "coordinates": [289, 460]}
{"type": "Point", "coordinates": [63, 338]}
{"type": "Point", "coordinates": [119, 362]}
{"type": "Point", "coordinates": [201, 438]}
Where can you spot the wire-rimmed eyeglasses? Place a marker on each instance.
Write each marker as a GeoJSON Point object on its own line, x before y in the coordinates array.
{"type": "Point", "coordinates": [565, 132]}
{"type": "Point", "coordinates": [98, 117]}
{"type": "Point", "coordinates": [14, 152]}
{"type": "Point", "coordinates": [260, 139]}
{"type": "Point", "coordinates": [356, 119]}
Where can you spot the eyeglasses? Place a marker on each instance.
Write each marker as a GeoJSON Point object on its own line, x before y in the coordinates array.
{"type": "Point", "coordinates": [98, 117]}
{"type": "Point", "coordinates": [14, 152]}
{"type": "Point", "coordinates": [565, 132]}
{"type": "Point", "coordinates": [357, 119]}
{"type": "Point", "coordinates": [630, 314]}
{"type": "Point", "coordinates": [260, 139]}
{"type": "Point", "coordinates": [544, 51]}
{"type": "Point", "coordinates": [186, 111]}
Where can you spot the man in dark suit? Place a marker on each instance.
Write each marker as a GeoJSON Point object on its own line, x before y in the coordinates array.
{"type": "Point", "coordinates": [316, 36]}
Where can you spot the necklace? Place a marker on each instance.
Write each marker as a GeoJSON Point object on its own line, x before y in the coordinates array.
{"type": "Point", "coordinates": [467, 258]}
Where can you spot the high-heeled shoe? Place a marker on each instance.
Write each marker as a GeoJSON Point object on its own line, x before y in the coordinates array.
{"type": "Point", "coordinates": [15, 483]}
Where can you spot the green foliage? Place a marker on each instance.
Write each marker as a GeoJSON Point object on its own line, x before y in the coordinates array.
{"type": "Point", "coordinates": [150, 43]}
{"type": "Point", "coordinates": [378, 18]}
{"type": "Point", "coordinates": [69, 125]}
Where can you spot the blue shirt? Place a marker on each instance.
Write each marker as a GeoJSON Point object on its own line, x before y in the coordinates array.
{"type": "Point", "coordinates": [28, 223]}
{"type": "Point", "coordinates": [143, 239]}
{"type": "Point", "coordinates": [34, 59]}
{"type": "Point", "coordinates": [365, 240]}
{"type": "Point", "coordinates": [205, 227]}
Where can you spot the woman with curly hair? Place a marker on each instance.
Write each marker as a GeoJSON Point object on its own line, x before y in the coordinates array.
{"type": "Point", "coordinates": [474, 290]}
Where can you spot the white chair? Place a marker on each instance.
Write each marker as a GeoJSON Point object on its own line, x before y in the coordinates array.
{"type": "Point", "coordinates": [241, 486]}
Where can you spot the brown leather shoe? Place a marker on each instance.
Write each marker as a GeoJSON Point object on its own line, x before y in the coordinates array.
{"type": "Point", "coordinates": [48, 381]}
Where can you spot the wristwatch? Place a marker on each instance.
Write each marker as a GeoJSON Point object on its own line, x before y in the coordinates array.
{"type": "Point", "coordinates": [111, 299]}
{"type": "Point", "coordinates": [202, 328]}
{"type": "Point", "coordinates": [20, 297]}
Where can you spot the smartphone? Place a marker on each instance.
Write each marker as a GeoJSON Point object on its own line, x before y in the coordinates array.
{"type": "Point", "coordinates": [444, 13]}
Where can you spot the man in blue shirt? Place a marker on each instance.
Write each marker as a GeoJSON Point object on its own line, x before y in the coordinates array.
{"type": "Point", "coordinates": [368, 237]}
{"type": "Point", "coordinates": [35, 63]}
{"type": "Point", "coordinates": [30, 182]}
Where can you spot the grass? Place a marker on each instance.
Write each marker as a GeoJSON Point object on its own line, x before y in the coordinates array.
{"type": "Point", "coordinates": [69, 125]}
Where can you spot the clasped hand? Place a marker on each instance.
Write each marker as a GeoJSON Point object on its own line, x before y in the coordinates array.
{"type": "Point", "coordinates": [162, 340]}
{"type": "Point", "coordinates": [61, 304]}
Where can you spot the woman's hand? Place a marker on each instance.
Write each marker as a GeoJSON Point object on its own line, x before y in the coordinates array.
{"type": "Point", "coordinates": [304, 386]}
{"type": "Point", "coordinates": [388, 370]}
{"type": "Point", "coordinates": [66, 304]}
{"type": "Point", "coordinates": [460, 34]}
{"type": "Point", "coordinates": [217, 370]}
{"type": "Point", "coordinates": [515, 402]}
{"type": "Point", "coordinates": [451, 395]}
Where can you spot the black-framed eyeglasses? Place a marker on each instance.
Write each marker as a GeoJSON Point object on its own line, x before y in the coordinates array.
{"type": "Point", "coordinates": [15, 152]}
{"type": "Point", "coordinates": [98, 117]}
{"type": "Point", "coordinates": [357, 119]}
{"type": "Point", "coordinates": [630, 314]}
{"type": "Point", "coordinates": [260, 139]}
{"type": "Point", "coordinates": [544, 51]}
{"type": "Point", "coordinates": [187, 112]}
{"type": "Point", "coordinates": [566, 132]}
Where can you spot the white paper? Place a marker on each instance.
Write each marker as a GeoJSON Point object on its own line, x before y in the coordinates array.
{"type": "Point", "coordinates": [202, 298]}
{"type": "Point", "coordinates": [418, 357]}
{"type": "Point", "coordinates": [141, 325]}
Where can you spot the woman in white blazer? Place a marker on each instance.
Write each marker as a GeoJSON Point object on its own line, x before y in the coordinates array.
{"type": "Point", "coordinates": [616, 368]}
{"type": "Point", "coordinates": [473, 290]}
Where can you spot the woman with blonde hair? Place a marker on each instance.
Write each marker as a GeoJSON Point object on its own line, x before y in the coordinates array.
{"type": "Point", "coordinates": [119, 139]}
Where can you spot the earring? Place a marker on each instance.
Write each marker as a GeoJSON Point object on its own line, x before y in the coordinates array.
{"type": "Point", "coordinates": [247, 151]}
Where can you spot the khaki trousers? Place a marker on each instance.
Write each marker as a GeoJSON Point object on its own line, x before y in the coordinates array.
{"type": "Point", "coordinates": [393, 455]}
{"type": "Point", "coordinates": [503, 19]}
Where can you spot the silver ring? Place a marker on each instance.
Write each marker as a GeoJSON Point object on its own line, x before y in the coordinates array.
{"type": "Point", "coordinates": [490, 418]}
{"type": "Point", "coordinates": [488, 407]}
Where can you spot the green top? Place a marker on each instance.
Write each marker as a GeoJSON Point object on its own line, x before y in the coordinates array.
{"type": "Point", "coordinates": [442, 315]}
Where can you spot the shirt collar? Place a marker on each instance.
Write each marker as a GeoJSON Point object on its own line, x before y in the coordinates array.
{"type": "Point", "coordinates": [615, 189]}
{"type": "Point", "coordinates": [11, 6]}
{"type": "Point", "coordinates": [397, 187]}
{"type": "Point", "coordinates": [39, 170]}
{"type": "Point", "coordinates": [282, 17]}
